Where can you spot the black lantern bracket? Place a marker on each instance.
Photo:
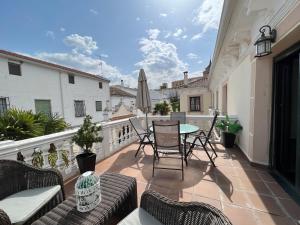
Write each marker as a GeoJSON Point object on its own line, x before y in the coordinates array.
{"type": "Point", "coordinates": [272, 32]}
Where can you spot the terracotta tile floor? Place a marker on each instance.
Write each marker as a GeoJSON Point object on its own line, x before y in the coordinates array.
{"type": "Point", "coordinates": [246, 194]}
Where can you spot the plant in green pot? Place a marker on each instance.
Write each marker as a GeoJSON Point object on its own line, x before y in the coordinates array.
{"type": "Point", "coordinates": [229, 130]}
{"type": "Point", "coordinates": [86, 136]}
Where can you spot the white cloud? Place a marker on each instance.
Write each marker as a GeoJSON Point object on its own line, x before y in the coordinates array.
{"type": "Point", "coordinates": [81, 59]}
{"type": "Point", "coordinates": [163, 14]}
{"type": "Point", "coordinates": [184, 36]}
{"type": "Point", "coordinates": [153, 33]}
{"type": "Point", "coordinates": [168, 34]}
{"type": "Point", "coordinates": [138, 19]}
{"type": "Point", "coordinates": [83, 44]}
{"type": "Point", "coordinates": [178, 32]}
{"type": "Point", "coordinates": [197, 36]}
{"type": "Point", "coordinates": [104, 55]}
{"type": "Point", "coordinates": [62, 29]}
{"type": "Point", "coordinates": [88, 64]}
{"type": "Point", "coordinates": [160, 61]}
{"type": "Point", "coordinates": [50, 34]}
{"type": "Point", "coordinates": [200, 62]}
{"type": "Point", "coordinates": [192, 56]}
{"type": "Point", "coordinates": [93, 11]}
{"type": "Point", "coordinates": [208, 14]}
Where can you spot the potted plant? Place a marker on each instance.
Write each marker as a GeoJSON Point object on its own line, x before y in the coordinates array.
{"type": "Point", "coordinates": [162, 108]}
{"type": "Point", "coordinates": [86, 136]}
{"type": "Point", "coordinates": [229, 130]}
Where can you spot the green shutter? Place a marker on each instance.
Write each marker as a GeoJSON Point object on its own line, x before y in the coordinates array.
{"type": "Point", "coordinates": [43, 106]}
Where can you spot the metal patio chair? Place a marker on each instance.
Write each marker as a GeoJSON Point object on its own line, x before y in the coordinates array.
{"type": "Point", "coordinates": [167, 142]}
{"type": "Point", "coordinates": [202, 139]}
{"type": "Point", "coordinates": [143, 135]}
{"type": "Point", "coordinates": [181, 116]}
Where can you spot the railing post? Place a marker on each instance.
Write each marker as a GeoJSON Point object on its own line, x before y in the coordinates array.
{"type": "Point", "coordinates": [108, 141]}
{"type": "Point", "coordinates": [60, 161]}
{"type": "Point", "coordinates": [71, 157]}
{"type": "Point", "coordinates": [45, 154]}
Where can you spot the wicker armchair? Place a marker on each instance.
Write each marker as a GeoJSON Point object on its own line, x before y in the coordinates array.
{"type": "Point", "coordinates": [16, 176]}
{"type": "Point", "coordinates": [170, 212]}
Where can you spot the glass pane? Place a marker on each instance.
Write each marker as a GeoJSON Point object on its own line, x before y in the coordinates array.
{"type": "Point", "coordinates": [43, 106]}
{"type": "Point", "coordinates": [14, 68]}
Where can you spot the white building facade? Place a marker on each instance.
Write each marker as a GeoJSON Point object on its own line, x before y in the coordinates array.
{"type": "Point", "coordinates": [31, 84]}
{"type": "Point", "coordinates": [263, 92]}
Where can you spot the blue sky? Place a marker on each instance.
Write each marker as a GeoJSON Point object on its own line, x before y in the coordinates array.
{"type": "Point", "coordinates": [115, 38]}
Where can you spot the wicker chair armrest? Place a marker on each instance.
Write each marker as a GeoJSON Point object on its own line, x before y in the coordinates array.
{"type": "Point", "coordinates": [170, 212]}
{"type": "Point", "coordinates": [37, 178]}
{"type": "Point", "coordinates": [4, 219]}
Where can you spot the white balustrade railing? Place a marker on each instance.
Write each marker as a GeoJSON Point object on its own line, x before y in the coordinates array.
{"type": "Point", "coordinates": [58, 150]}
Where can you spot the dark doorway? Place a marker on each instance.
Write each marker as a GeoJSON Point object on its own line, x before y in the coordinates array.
{"type": "Point", "coordinates": [285, 152]}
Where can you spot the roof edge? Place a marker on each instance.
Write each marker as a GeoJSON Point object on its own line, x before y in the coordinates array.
{"type": "Point", "coordinates": [44, 63]}
{"type": "Point", "coordinates": [225, 19]}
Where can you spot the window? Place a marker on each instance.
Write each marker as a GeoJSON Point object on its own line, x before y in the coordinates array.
{"type": "Point", "coordinates": [4, 105]}
{"type": "Point", "coordinates": [79, 108]}
{"type": "Point", "coordinates": [14, 68]}
{"type": "Point", "coordinates": [43, 106]}
{"type": "Point", "coordinates": [195, 104]}
{"type": "Point", "coordinates": [71, 79]}
{"type": "Point", "coordinates": [98, 106]}
{"type": "Point", "coordinates": [100, 85]}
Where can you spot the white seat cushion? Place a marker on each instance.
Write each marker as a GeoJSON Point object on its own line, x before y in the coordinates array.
{"type": "Point", "coordinates": [22, 205]}
{"type": "Point", "coordinates": [139, 217]}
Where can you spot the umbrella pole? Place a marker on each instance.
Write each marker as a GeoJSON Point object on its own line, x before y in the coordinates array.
{"type": "Point", "coordinates": [147, 122]}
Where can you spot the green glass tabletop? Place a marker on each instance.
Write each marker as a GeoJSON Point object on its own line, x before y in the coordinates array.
{"type": "Point", "coordinates": [185, 128]}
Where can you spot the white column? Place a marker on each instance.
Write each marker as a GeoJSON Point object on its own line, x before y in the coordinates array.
{"type": "Point", "coordinates": [60, 162]}
{"type": "Point", "coordinates": [45, 154]}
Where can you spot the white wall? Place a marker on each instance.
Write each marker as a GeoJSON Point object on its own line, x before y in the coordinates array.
{"type": "Point", "coordinates": [238, 99]}
{"type": "Point", "coordinates": [238, 102]}
{"type": "Point", "coordinates": [127, 101]}
{"type": "Point", "coordinates": [38, 82]}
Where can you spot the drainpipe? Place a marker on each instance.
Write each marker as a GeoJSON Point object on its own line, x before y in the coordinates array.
{"type": "Point", "coordinates": [61, 96]}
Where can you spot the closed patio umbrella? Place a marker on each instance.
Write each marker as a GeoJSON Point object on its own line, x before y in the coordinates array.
{"type": "Point", "coordinates": [143, 101]}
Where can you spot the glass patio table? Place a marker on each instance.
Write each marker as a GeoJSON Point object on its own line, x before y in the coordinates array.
{"type": "Point", "coordinates": [185, 129]}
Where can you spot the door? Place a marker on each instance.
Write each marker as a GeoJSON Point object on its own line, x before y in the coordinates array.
{"type": "Point", "coordinates": [285, 152]}
{"type": "Point", "coordinates": [43, 106]}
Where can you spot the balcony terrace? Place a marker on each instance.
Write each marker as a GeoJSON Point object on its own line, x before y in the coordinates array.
{"type": "Point", "coordinates": [246, 194]}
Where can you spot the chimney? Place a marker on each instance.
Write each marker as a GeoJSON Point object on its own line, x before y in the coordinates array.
{"type": "Point", "coordinates": [185, 81]}
{"type": "Point", "coordinates": [122, 83]}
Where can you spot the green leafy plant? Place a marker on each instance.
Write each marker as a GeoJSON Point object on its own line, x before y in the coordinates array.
{"type": "Point", "coordinates": [175, 103]}
{"type": "Point", "coordinates": [87, 135]}
{"type": "Point", "coordinates": [38, 160]}
{"type": "Point", "coordinates": [51, 123]}
{"type": "Point", "coordinates": [163, 108]}
{"type": "Point", "coordinates": [228, 125]}
{"type": "Point", "coordinates": [52, 157]}
{"type": "Point", "coordinates": [16, 124]}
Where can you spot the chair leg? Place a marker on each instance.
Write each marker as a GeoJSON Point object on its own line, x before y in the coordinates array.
{"type": "Point", "coordinates": [212, 148]}
{"type": "Point", "coordinates": [155, 153]}
{"type": "Point", "coordinates": [191, 147]}
{"type": "Point", "coordinates": [137, 151]}
{"type": "Point", "coordinates": [182, 172]}
{"type": "Point", "coordinates": [211, 160]}
{"type": "Point", "coordinates": [153, 165]}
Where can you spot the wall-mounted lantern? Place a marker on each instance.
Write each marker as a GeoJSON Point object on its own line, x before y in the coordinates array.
{"type": "Point", "coordinates": [263, 44]}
